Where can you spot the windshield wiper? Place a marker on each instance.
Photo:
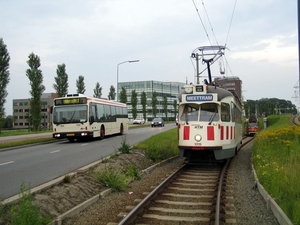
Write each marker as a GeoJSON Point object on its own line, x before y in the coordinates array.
{"type": "Point", "coordinates": [212, 117]}
{"type": "Point", "coordinates": [186, 116]}
{"type": "Point", "coordinates": [72, 116]}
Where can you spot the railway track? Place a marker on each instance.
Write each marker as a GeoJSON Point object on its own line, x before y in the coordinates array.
{"type": "Point", "coordinates": [191, 195]}
{"type": "Point", "coordinates": [194, 194]}
{"type": "Point", "coordinates": [296, 120]}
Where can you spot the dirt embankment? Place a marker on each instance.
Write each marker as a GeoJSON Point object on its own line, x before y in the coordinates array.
{"type": "Point", "coordinates": [74, 190]}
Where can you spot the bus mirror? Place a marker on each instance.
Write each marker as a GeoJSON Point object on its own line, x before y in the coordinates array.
{"type": "Point", "coordinates": [51, 109]}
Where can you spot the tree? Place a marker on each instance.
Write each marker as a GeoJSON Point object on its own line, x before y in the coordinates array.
{"type": "Point", "coordinates": [154, 103]}
{"type": "Point", "coordinates": [134, 103]}
{"type": "Point", "coordinates": [4, 79]}
{"type": "Point", "coordinates": [175, 108]}
{"type": "Point", "coordinates": [97, 91]}
{"type": "Point", "coordinates": [112, 93]}
{"type": "Point", "coordinates": [80, 85]}
{"type": "Point", "coordinates": [61, 81]}
{"type": "Point", "coordinates": [37, 88]}
{"type": "Point", "coordinates": [144, 104]}
{"type": "Point", "coordinates": [165, 106]}
{"type": "Point", "coordinates": [266, 107]}
{"type": "Point", "coordinates": [123, 95]}
{"type": "Point", "coordinates": [8, 122]}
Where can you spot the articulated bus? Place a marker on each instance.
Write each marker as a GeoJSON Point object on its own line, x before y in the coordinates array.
{"type": "Point", "coordinates": [77, 116]}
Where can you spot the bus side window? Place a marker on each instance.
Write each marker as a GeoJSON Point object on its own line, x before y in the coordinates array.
{"type": "Point", "coordinates": [92, 113]}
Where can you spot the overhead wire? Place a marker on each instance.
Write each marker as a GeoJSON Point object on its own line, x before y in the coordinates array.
{"type": "Point", "coordinates": [201, 22]}
{"type": "Point", "coordinates": [212, 30]}
{"type": "Point", "coordinates": [230, 22]}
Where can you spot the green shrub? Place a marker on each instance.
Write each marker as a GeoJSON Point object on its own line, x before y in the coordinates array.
{"type": "Point", "coordinates": [125, 148]}
{"type": "Point", "coordinates": [113, 180]}
{"type": "Point", "coordinates": [67, 179]}
{"type": "Point", "coordinates": [133, 172]}
{"type": "Point", "coordinates": [26, 212]}
{"type": "Point", "coordinates": [114, 156]}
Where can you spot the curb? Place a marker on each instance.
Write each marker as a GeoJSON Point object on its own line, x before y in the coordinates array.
{"type": "Point", "coordinates": [271, 204]}
{"type": "Point", "coordinates": [51, 183]}
{"type": "Point", "coordinates": [80, 207]}
{"type": "Point", "coordinates": [87, 203]}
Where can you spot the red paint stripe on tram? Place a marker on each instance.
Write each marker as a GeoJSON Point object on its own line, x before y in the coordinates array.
{"type": "Point", "coordinates": [186, 133]}
{"type": "Point", "coordinates": [222, 133]}
{"type": "Point", "coordinates": [210, 133]}
{"type": "Point", "coordinates": [227, 132]}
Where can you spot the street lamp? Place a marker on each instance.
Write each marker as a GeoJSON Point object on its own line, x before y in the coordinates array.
{"type": "Point", "coordinates": [129, 61]}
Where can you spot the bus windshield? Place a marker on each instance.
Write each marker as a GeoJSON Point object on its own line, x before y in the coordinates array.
{"type": "Point", "coordinates": [70, 114]}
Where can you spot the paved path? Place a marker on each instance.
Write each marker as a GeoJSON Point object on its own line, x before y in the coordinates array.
{"type": "Point", "coordinates": [24, 137]}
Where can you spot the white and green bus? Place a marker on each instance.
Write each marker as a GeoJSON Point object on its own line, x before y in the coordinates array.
{"type": "Point", "coordinates": [77, 116]}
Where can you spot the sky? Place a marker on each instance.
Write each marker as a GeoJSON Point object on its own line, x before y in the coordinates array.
{"type": "Point", "coordinates": [92, 37]}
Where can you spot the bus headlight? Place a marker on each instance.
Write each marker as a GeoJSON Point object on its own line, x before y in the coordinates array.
{"type": "Point", "coordinates": [198, 137]}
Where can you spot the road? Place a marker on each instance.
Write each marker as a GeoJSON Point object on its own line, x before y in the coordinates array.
{"type": "Point", "coordinates": [38, 164]}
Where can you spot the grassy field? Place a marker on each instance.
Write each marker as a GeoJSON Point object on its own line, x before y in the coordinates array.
{"type": "Point", "coordinates": [276, 157]}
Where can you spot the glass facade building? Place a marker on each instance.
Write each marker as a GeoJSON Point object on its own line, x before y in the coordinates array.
{"type": "Point", "coordinates": [169, 89]}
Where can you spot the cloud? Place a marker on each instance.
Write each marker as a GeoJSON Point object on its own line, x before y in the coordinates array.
{"type": "Point", "coordinates": [91, 37]}
{"type": "Point", "coordinates": [280, 50]}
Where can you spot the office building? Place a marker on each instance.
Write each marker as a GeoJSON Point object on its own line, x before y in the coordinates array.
{"type": "Point", "coordinates": [231, 83]}
{"type": "Point", "coordinates": [21, 111]}
{"type": "Point", "coordinates": [169, 89]}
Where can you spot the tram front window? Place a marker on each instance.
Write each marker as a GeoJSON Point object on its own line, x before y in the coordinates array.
{"type": "Point", "coordinates": [209, 112]}
{"type": "Point", "coordinates": [190, 113]}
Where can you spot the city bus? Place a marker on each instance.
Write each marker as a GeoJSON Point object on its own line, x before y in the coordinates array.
{"type": "Point", "coordinates": [77, 116]}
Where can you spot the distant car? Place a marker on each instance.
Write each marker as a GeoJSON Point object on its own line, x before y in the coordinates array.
{"type": "Point", "coordinates": [157, 122]}
{"type": "Point", "coordinates": [138, 121]}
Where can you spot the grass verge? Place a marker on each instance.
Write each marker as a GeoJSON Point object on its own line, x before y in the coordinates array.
{"type": "Point", "coordinates": [160, 146]}
{"type": "Point", "coordinates": [276, 157]}
{"type": "Point", "coordinates": [24, 142]}
{"type": "Point", "coordinates": [6, 133]}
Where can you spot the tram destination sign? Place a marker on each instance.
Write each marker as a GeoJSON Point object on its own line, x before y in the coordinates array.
{"type": "Point", "coordinates": [199, 88]}
{"type": "Point", "coordinates": [199, 98]}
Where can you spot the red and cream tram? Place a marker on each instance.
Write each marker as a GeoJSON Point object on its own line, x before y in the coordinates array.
{"type": "Point", "coordinates": [209, 121]}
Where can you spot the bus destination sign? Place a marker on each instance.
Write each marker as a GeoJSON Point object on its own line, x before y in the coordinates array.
{"type": "Point", "coordinates": [70, 101]}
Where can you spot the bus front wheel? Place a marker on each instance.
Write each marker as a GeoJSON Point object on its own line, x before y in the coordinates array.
{"type": "Point", "coordinates": [102, 133]}
{"type": "Point", "coordinates": [121, 129]}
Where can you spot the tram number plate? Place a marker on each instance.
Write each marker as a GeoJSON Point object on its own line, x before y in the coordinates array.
{"type": "Point", "coordinates": [199, 88]}
{"type": "Point", "coordinates": [69, 135]}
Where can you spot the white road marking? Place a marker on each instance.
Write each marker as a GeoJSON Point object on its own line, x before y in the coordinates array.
{"type": "Point", "coordinates": [84, 144]}
{"type": "Point", "coordinates": [2, 164]}
{"type": "Point", "coordinates": [55, 151]}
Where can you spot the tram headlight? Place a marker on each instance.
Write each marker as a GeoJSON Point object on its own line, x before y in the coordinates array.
{"type": "Point", "coordinates": [198, 137]}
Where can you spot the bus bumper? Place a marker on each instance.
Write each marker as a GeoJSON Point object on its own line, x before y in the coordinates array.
{"type": "Point", "coordinates": [73, 135]}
